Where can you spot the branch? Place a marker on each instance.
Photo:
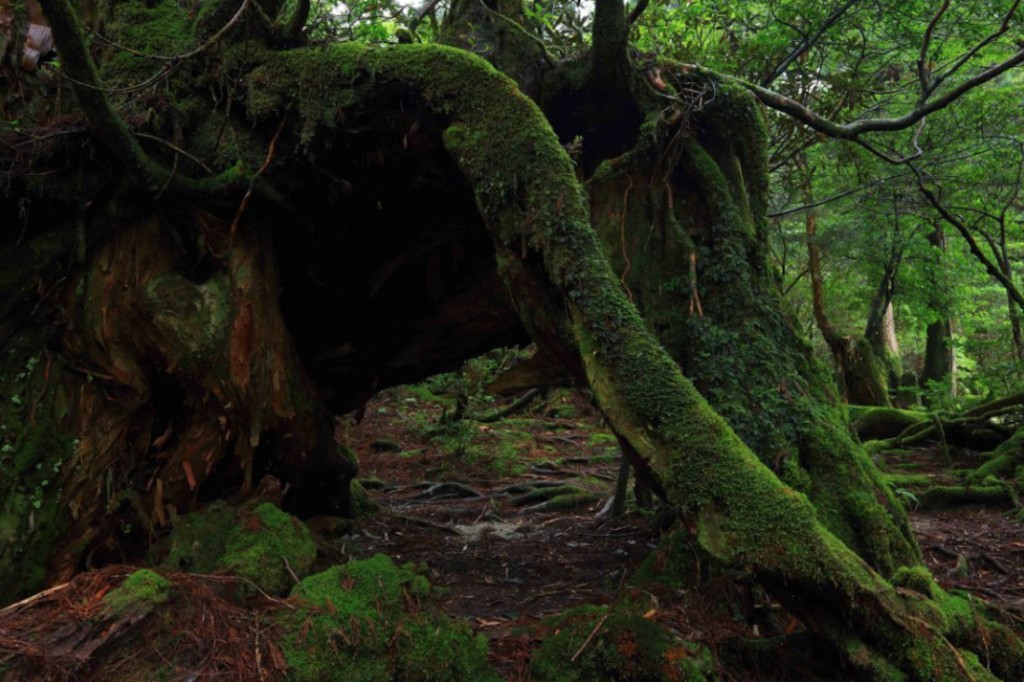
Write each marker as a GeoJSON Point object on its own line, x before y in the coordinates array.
{"type": "Point", "coordinates": [966, 57]}
{"type": "Point", "coordinates": [421, 14]}
{"type": "Point", "coordinates": [965, 232]}
{"type": "Point", "coordinates": [834, 197]}
{"type": "Point", "coordinates": [635, 13]}
{"type": "Point", "coordinates": [108, 127]}
{"type": "Point", "coordinates": [522, 30]}
{"type": "Point", "coordinates": [296, 22]}
{"type": "Point", "coordinates": [174, 60]}
{"type": "Point", "coordinates": [807, 43]}
{"type": "Point", "coordinates": [923, 72]}
{"type": "Point", "coordinates": [852, 131]}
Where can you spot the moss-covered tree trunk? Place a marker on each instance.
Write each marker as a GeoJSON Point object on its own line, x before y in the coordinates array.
{"type": "Point", "coordinates": [171, 341]}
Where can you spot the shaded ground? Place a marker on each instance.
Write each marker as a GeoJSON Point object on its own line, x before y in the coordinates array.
{"type": "Point", "coordinates": [511, 532]}
{"type": "Point", "coordinates": [507, 518]}
{"type": "Point", "coordinates": [969, 547]}
{"type": "Point", "coordinates": [454, 501]}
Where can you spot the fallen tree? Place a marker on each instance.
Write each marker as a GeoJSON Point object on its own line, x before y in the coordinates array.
{"type": "Point", "coordinates": [416, 192]}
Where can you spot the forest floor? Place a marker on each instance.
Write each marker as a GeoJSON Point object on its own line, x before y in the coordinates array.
{"type": "Point", "coordinates": [505, 515]}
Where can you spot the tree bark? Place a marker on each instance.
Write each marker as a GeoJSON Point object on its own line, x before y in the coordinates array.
{"type": "Point", "coordinates": [940, 354]}
{"type": "Point", "coordinates": [861, 380]}
{"type": "Point", "coordinates": [180, 348]}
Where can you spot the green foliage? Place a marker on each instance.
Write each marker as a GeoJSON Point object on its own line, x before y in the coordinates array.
{"type": "Point", "coordinates": [35, 448]}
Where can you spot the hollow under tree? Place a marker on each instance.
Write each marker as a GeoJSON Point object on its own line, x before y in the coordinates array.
{"type": "Point", "coordinates": [275, 232]}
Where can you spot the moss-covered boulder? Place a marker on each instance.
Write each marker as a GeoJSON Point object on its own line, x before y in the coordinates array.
{"type": "Point", "coordinates": [262, 545]}
{"type": "Point", "coordinates": [370, 621]}
{"type": "Point", "coordinates": [616, 642]}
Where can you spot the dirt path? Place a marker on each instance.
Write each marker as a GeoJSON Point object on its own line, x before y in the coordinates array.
{"type": "Point", "coordinates": [513, 536]}
{"type": "Point", "coordinates": [512, 532]}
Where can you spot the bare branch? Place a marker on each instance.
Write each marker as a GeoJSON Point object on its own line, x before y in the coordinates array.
{"type": "Point", "coordinates": [972, 243]}
{"type": "Point", "coordinates": [806, 44]}
{"type": "Point", "coordinates": [988, 40]}
{"type": "Point", "coordinates": [923, 72]}
{"type": "Point", "coordinates": [635, 13]}
{"type": "Point", "coordinates": [850, 131]}
{"type": "Point", "coordinates": [834, 197]}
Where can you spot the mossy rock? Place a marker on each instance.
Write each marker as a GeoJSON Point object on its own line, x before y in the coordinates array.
{"type": "Point", "coordinates": [626, 646]}
{"type": "Point", "coordinates": [259, 545]}
{"type": "Point", "coordinates": [369, 621]}
{"type": "Point", "coordinates": [142, 591]}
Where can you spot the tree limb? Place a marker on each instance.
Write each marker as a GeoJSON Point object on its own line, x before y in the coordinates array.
{"type": "Point", "coordinates": [421, 14]}
{"type": "Point", "coordinates": [635, 13]}
{"type": "Point", "coordinates": [988, 40]}
{"type": "Point", "coordinates": [807, 43]}
{"type": "Point", "coordinates": [296, 22]}
{"type": "Point", "coordinates": [923, 72]}
{"type": "Point", "coordinates": [965, 232]}
{"type": "Point", "coordinates": [852, 131]}
{"type": "Point", "coordinates": [108, 127]}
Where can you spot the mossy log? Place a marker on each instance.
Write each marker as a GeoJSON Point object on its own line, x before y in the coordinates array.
{"type": "Point", "coordinates": [234, 343]}
{"type": "Point", "coordinates": [896, 429]}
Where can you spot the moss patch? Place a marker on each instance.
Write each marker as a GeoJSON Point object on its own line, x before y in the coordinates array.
{"type": "Point", "coordinates": [143, 590]}
{"type": "Point", "coordinates": [259, 545]}
{"type": "Point", "coordinates": [368, 620]}
{"type": "Point", "coordinates": [626, 646]}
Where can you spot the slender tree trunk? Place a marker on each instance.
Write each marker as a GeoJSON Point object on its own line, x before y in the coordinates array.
{"type": "Point", "coordinates": [939, 356]}
{"type": "Point", "coordinates": [861, 380]}
{"type": "Point", "coordinates": [1012, 307]}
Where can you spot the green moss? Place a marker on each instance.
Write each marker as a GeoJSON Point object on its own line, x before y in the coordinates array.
{"type": "Point", "coordinates": [916, 578]}
{"type": "Point", "coordinates": [369, 621]}
{"type": "Point", "coordinates": [884, 422]}
{"type": "Point", "coordinates": [539, 495]}
{"type": "Point", "coordinates": [262, 545]}
{"type": "Point", "coordinates": [268, 547]}
{"type": "Point", "coordinates": [149, 28]}
{"type": "Point", "coordinates": [626, 646]}
{"type": "Point", "coordinates": [942, 496]}
{"type": "Point", "coordinates": [35, 451]}
{"type": "Point", "coordinates": [673, 564]}
{"type": "Point", "coordinates": [141, 591]}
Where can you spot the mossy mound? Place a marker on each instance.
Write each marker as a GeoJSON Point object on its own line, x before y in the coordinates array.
{"type": "Point", "coordinates": [143, 590]}
{"type": "Point", "coordinates": [883, 422]}
{"type": "Point", "coordinates": [616, 643]}
{"type": "Point", "coordinates": [671, 566]}
{"type": "Point", "coordinates": [367, 621]}
{"type": "Point", "coordinates": [263, 545]}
